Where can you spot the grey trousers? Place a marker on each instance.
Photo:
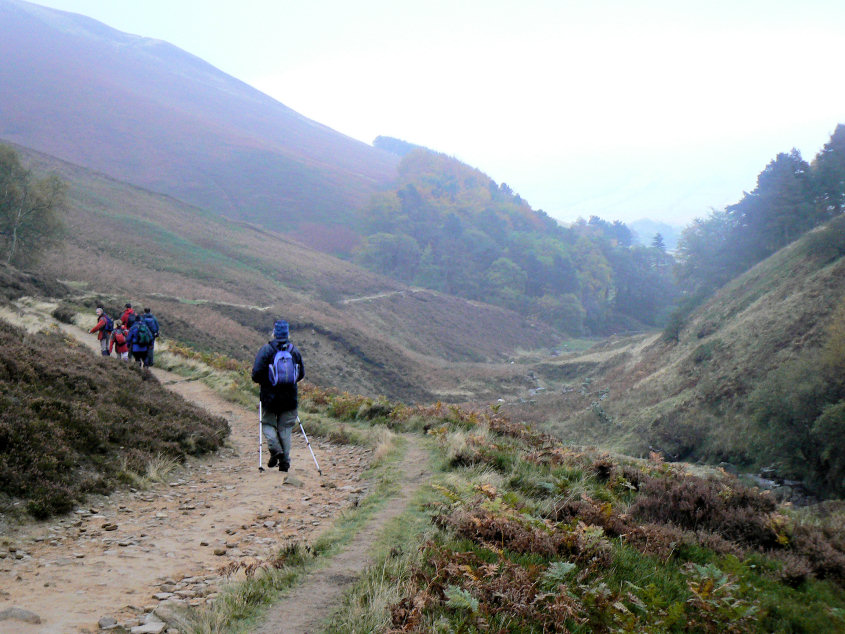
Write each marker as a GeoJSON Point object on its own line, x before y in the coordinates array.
{"type": "Point", "coordinates": [277, 431]}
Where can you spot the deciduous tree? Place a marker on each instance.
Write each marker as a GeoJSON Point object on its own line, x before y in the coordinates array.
{"type": "Point", "coordinates": [29, 209]}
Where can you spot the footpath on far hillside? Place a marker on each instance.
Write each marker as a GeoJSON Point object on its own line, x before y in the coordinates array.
{"type": "Point", "coordinates": [117, 558]}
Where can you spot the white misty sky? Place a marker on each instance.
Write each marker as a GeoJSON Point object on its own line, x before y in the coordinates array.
{"type": "Point", "coordinates": [653, 108]}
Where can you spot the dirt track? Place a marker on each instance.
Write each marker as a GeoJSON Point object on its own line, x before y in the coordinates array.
{"type": "Point", "coordinates": [110, 557]}
{"type": "Point", "coordinates": [306, 607]}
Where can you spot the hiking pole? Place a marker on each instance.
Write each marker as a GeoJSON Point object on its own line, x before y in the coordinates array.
{"type": "Point", "coordinates": [260, 439]}
{"type": "Point", "coordinates": [307, 442]}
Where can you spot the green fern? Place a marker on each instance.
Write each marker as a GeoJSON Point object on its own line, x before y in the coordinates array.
{"type": "Point", "coordinates": [557, 573]}
{"type": "Point", "coordinates": [460, 599]}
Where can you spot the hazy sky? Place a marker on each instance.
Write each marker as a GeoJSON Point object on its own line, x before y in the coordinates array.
{"type": "Point", "coordinates": [623, 109]}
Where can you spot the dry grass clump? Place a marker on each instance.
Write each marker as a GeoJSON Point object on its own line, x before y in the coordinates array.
{"type": "Point", "coordinates": [72, 423]}
{"type": "Point", "coordinates": [384, 445]}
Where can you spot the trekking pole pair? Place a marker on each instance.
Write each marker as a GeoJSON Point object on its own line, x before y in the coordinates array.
{"type": "Point", "coordinates": [261, 442]}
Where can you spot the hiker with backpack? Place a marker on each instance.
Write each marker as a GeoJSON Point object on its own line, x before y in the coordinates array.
{"type": "Point", "coordinates": [118, 341]}
{"type": "Point", "coordinates": [277, 369]}
{"type": "Point", "coordinates": [128, 316]}
{"type": "Point", "coordinates": [139, 340]}
{"type": "Point", "coordinates": [152, 323]}
{"type": "Point", "coordinates": [103, 328]}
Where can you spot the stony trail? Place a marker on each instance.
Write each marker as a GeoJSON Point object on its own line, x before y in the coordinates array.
{"type": "Point", "coordinates": [119, 556]}
{"type": "Point", "coordinates": [308, 606]}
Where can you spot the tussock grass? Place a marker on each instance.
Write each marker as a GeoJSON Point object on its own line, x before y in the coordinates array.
{"type": "Point", "coordinates": [160, 468]}
{"type": "Point", "coordinates": [385, 442]}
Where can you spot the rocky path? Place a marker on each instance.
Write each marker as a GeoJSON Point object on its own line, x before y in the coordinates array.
{"type": "Point", "coordinates": [117, 558]}
{"type": "Point", "coordinates": [308, 606]}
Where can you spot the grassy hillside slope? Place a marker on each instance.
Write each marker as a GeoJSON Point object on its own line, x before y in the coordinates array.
{"type": "Point", "coordinates": [217, 285]}
{"type": "Point", "coordinates": [694, 393]}
{"type": "Point", "coordinates": [146, 112]}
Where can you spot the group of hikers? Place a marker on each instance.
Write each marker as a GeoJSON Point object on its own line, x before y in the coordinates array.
{"type": "Point", "coordinates": [277, 369]}
{"type": "Point", "coordinates": [134, 333]}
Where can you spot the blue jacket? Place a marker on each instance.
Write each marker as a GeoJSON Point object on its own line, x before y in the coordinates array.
{"type": "Point", "coordinates": [152, 322]}
{"type": "Point", "coordinates": [132, 339]}
{"type": "Point", "coordinates": [276, 398]}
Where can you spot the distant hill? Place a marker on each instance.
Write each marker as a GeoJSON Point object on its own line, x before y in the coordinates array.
{"type": "Point", "coordinates": [645, 229]}
{"type": "Point", "coordinates": [396, 146]}
{"type": "Point", "coordinates": [145, 112]}
{"type": "Point", "coordinates": [447, 226]}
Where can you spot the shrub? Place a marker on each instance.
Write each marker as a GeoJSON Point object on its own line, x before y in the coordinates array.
{"type": "Point", "coordinates": [678, 318]}
{"type": "Point", "coordinates": [736, 513]}
{"type": "Point", "coordinates": [796, 408]}
{"type": "Point", "coordinates": [827, 243]}
{"type": "Point", "coordinates": [70, 422]}
{"type": "Point", "coordinates": [63, 313]}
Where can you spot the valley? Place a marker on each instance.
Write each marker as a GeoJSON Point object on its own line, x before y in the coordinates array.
{"type": "Point", "coordinates": [523, 424]}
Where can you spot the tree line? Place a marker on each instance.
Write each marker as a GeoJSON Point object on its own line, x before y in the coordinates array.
{"type": "Point", "coordinates": [449, 227]}
{"type": "Point", "coordinates": [791, 197]}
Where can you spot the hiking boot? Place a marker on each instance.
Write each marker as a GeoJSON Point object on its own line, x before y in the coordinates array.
{"type": "Point", "coordinates": [274, 460]}
{"type": "Point", "coordinates": [284, 466]}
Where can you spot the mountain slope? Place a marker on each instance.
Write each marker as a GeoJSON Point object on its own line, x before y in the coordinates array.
{"type": "Point", "coordinates": [218, 285]}
{"type": "Point", "coordinates": [146, 112]}
{"type": "Point", "coordinates": [743, 378]}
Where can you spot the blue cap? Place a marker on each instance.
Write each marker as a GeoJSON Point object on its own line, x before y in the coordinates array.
{"type": "Point", "coordinates": [280, 329]}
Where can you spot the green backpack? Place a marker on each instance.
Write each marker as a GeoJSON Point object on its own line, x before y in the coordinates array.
{"type": "Point", "coordinates": [144, 336]}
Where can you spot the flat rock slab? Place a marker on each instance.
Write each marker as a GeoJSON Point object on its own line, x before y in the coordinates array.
{"type": "Point", "coordinates": [153, 627]}
{"type": "Point", "coordinates": [19, 614]}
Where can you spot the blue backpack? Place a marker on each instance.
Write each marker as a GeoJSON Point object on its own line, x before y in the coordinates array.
{"type": "Point", "coordinates": [283, 370]}
{"type": "Point", "coordinates": [109, 324]}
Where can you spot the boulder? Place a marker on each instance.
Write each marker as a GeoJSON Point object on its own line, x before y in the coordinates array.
{"type": "Point", "coordinates": [19, 614]}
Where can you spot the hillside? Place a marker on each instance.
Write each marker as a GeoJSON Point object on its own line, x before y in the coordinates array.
{"type": "Point", "coordinates": [710, 387]}
{"type": "Point", "coordinates": [72, 424]}
{"type": "Point", "coordinates": [218, 284]}
{"type": "Point", "coordinates": [146, 112]}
